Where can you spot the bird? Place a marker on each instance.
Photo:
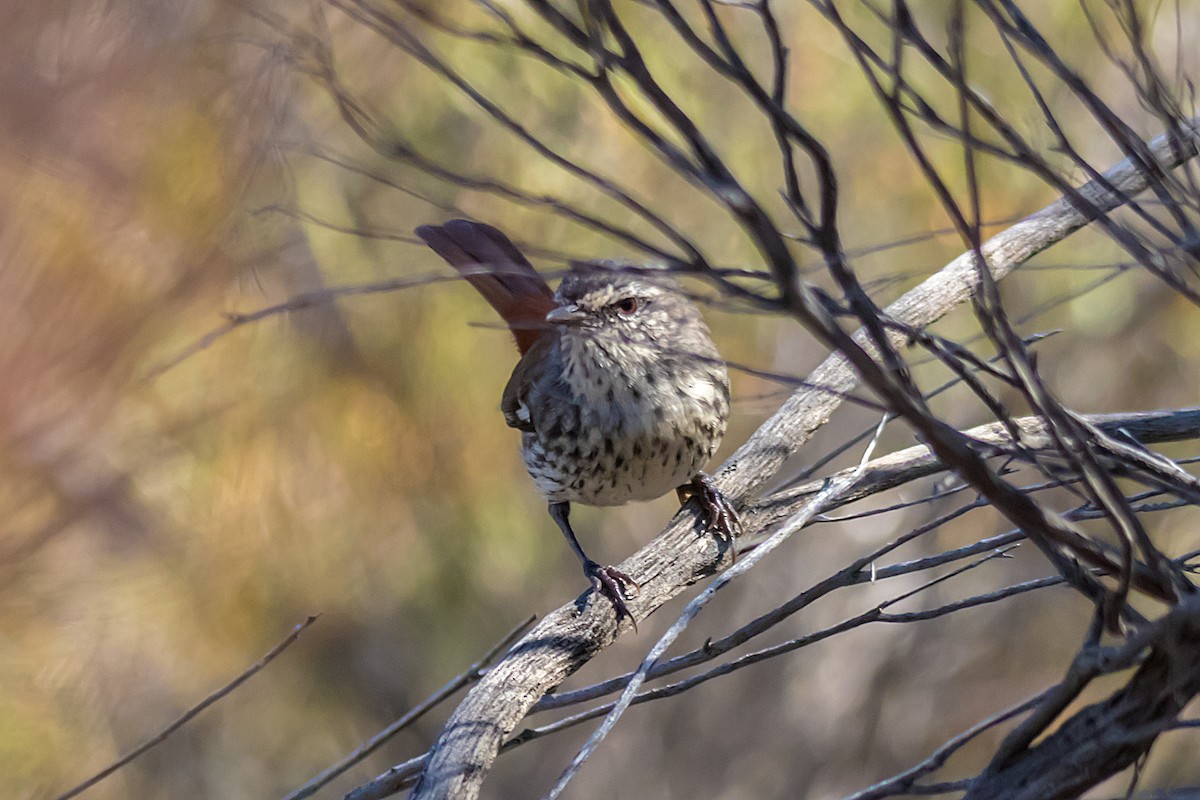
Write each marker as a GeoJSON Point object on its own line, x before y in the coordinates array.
{"type": "Point", "coordinates": [620, 394]}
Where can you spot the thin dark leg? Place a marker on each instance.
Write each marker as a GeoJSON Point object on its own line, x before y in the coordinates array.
{"type": "Point", "coordinates": [561, 513]}
{"type": "Point", "coordinates": [719, 512]}
{"type": "Point", "coordinates": [608, 581]}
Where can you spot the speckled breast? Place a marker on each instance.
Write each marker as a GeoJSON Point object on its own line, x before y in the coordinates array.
{"type": "Point", "coordinates": [636, 453]}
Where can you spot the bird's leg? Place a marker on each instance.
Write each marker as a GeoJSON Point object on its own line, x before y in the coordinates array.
{"type": "Point", "coordinates": [608, 581]}
{"type": "Point", "coordinates": [720, 514]}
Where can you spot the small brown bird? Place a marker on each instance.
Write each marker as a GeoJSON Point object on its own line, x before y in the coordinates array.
{"type": "Point", "coordinates": [620, 393]}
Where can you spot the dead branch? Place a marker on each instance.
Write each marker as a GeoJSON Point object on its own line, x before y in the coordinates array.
{"type": "Point", "coordinates": [567, 638]}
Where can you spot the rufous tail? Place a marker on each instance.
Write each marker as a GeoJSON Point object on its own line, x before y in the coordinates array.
{"type": "Point", "coordinates": [498, 270]}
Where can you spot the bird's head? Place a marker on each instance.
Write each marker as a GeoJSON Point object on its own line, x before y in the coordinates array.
{"type": "Point", "coordinates": [617, 300]}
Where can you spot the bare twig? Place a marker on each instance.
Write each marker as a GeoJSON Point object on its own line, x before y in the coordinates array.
{"type": "Point", "coordinates": [192, 712]}
{"type": "Point", "coordinates": [465, 678]}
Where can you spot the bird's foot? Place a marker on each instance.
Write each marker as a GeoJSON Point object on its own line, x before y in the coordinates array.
{"type": "Point", "coordinates": [720, 515]}
{"type": "Point", "coordinates": [615, 585]}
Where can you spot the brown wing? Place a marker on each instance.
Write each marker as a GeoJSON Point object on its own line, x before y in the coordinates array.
{"type": "Point", "coordinates": [515, 403]}
{"type": "Point", "coordinates": [498, 270]}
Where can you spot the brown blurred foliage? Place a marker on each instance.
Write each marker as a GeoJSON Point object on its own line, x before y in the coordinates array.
{"type": "Point", "coordinates": [161, 531]}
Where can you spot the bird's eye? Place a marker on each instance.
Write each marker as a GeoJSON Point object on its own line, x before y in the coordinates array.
{"type": "Point", "coordinates": [626, 306]}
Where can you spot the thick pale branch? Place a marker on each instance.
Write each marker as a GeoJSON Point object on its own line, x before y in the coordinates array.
{"type": "Point", "coordinates": [912, 463]}
{"type": "Point", "coordinates": [878, 475]}
{"type": "Point", "coordinates": [567, 638]}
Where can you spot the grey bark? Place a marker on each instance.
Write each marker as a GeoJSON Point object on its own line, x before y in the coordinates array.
{"type": "Point", "coordinates": [567, 638]}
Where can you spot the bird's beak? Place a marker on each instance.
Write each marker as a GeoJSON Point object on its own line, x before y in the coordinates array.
{"type": "Point", "coordinates": [566, 315]}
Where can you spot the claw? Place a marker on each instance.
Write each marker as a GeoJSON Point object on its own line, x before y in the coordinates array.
{"type": "Point", "coordinates": [720, 515]}
{"type": "Point", "coordinates": [615, 585]}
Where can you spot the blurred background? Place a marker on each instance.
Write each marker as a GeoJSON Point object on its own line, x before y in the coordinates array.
{"type": "Point", "coordinates": [173, 505]}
